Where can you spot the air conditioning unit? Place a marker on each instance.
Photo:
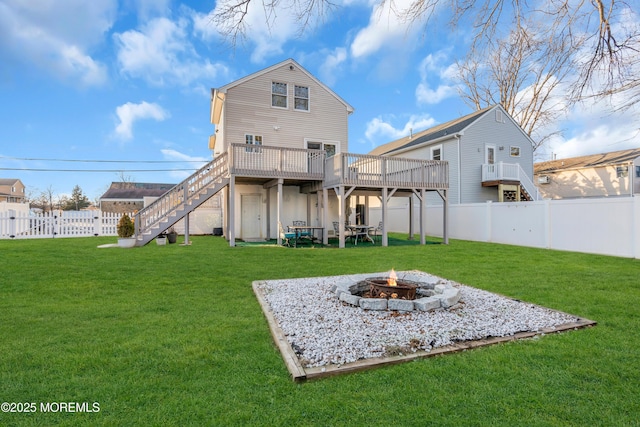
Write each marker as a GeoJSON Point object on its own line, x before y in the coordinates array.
{"type": "Point", "coordinates": [544, 179]}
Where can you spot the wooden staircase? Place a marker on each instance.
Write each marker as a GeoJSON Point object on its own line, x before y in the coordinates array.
{"type": "Point", "coordinates": [182, 199]}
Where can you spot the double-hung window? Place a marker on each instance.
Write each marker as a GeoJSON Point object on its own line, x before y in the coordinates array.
{"type": "Point", "coordinates": [279, 95]}
{"type": "Point", "coordinates": [301, 98]}
{"type": "Point", "coordinates": [252, 142]}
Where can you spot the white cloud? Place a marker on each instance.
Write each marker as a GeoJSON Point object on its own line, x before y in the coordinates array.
{"type": "Point", "coordinates": [57, 36]}
{"type": "Point", "coordinates": [130, 113]}
{"type": "Point", "coordinates": [595, 131]}
{"type": "Point", "coordinates": [432, 68]}
{"type": "Point", "coordinates": [171, 154]}
{"type": "Point", "coordinates": [331, 66]}
{"type": "Point", "coordinates": [380, 131]}
{"type": "Point", "coordinates": [267, 30]}
{"type": "Point", "coordinates": [161, 53]}
{"type": "Point", "coordinates": [149, 8]}
{"type": "Point", "coordinates": [385, 30]}
{"type": "Point", "coordinates": [195, 162]}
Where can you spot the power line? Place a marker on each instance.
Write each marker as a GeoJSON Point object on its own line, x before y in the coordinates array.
{"type": "Point", "coordinates": [101, 161]}
{"type": "Point", "coordinates": [97, 170]}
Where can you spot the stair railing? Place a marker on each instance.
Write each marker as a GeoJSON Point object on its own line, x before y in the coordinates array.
{"type": "Point", "coordinates": [179, 195]}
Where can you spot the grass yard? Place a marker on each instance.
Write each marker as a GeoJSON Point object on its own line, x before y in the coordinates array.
{"type": "Point", "coordinates": [173, 335]}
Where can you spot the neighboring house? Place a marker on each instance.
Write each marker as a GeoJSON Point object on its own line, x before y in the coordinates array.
{"type": "Point", "coordinates": [490, 156]}
{"type": "Point", "coordinates": [12, 190]}
{"type": "Point", "coordinates": [598, 175]}
{"type": "Point", "coordinates": [127, 197]}
{"type": "Point", "coordinates": [281, 155]}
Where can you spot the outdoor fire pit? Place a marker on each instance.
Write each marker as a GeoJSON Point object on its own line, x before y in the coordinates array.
{"type": "Point", "coordinates": [379, 287]}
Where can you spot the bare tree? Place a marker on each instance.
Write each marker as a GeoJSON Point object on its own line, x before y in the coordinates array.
{"type": "Point", "coordinates": [524, 72]}
{"type": "Point", "coordinates": [595, 30]}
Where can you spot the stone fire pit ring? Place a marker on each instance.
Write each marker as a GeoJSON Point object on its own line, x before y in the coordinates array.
{"type": "Point", "coordinates": [431, 293]}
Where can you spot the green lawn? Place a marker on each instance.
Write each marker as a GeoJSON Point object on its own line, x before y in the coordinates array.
{"type": "Point", "coordinates": [173, 335]}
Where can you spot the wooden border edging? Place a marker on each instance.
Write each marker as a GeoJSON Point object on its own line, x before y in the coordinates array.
{"type": "Point", "coordinates": [299, 373]}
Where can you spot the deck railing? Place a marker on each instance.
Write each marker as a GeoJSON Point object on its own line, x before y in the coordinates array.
{"type": "Point", "coordinates": [276, 162]}
{"type": "Point", "coordinates": [378, 171]}
{"type": "Point", "coordinates": [174, 198]}
{"type": "Point", "coordinates": [510, 172]}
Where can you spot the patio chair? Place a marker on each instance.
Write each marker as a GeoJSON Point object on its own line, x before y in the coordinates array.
{"type": "Point", "coordinates": [377, 232]}
{"type": "Point", "coordinates": [286, 236]}
{"type": "Point", "coordinates": [348, 234]}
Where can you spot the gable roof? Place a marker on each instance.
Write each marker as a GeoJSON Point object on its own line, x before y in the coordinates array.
{"type": "Point", "coordinates": [8, 181]}
{"type": "Point", "coordinates": [291, 63]}
{"type": "Point", "coordinates": [442, 130]}
{"type": "Point", "coordinates": [590, 161]}
{"type": "Point", "coordinates": [135, 190]}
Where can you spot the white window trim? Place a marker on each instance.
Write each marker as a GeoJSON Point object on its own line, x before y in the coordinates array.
{"type": "Point", "coordinates": [434, 148]}
{"type": "Point", "coordinates": [251, 148]}
{"type": "Point", "coordinates": [308, 98]}
{"type": "Point", "coordinates": [271, 93]}
{"type": "Point", "coordinates": [323, 142]}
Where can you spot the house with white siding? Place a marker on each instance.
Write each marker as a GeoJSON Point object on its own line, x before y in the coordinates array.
{"type": "Point", "coordinates": [280, 154]}
{"type": "Point", "coordinates": [490, 157]}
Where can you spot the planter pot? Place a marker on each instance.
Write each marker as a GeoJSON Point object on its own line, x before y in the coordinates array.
{"type": "Point", "coordinates": [172, 237]}
{"type": "Point", "coordinates": [127, 242]}
{"type": "Point", "coordinates": [161, 241]}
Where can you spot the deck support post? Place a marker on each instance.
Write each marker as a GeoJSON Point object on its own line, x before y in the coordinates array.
{"type": "Point", "coordinates": [385, 217]}
{"type": "Point", "coordinates": [423, 217]}
{"type": "Point", "coordinates": [411, 218]}
{"type": "Point", "coordinates": [231, 205]}
{"type": "Point", "coordinates": [186, 229]}
{"type": "Point", "coordinates": [325, 216]}
{"type": "Point", "coordinates": [279, 209]}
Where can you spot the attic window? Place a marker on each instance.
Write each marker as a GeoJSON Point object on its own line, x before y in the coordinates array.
{"type": "Point", "coordinates": [301, 98]}
{"type": "Point", "coordinates": [622, 171]}
{"type": "Point", "coordinates": [514, 151]}
{"type": "Point", "coordinates": [278, 95]}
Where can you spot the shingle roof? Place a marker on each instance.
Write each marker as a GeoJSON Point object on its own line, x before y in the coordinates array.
{"type": "Point", "coordinates": [448, 128]}
{"type": "Point", "coordinates": [136, 190]}
{"type": "Point", "coordinates": [8, 181]}
{"type": "Point", "coordinates": [593, 160]}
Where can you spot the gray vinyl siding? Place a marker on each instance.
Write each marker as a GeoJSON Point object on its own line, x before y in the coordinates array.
{"type": "Point", "coordinates": [248, 110]}
{"type": "Point", "coordinates": [465, 167]}
{"type": "Point", "coordinates": [486, 130]}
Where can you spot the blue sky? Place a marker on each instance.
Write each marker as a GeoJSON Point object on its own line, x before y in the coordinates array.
{"type": "Point", "coordinates": [128, 83]}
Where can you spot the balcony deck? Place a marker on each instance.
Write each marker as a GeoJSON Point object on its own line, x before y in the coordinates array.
{"type": "Point", "coordinates": [359, 170]}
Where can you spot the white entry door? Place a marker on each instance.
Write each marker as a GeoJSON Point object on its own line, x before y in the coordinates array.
{"type": "Point", "coordinates": [250, 219]}
{"type": "Point", "coordinates": [490, 154]}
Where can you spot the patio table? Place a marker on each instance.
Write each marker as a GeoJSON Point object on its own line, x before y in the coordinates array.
{"type": "Point", "coordinates": [300, 229]}
{"type": "Point", "coordinates": [362, 231]}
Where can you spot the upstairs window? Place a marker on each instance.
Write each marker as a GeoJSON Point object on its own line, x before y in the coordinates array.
{"type": "Point", "coordinates": [301, 98]}
{"type": "Point", "coordinates": [436, 152]}
{"type": "Point", "coordinates": [514, 151]}
{"type": "Point", "coordinates": [278, 95]}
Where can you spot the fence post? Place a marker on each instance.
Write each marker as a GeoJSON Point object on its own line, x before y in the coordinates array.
{"type": "Point", "coordinates": [12, 223]}
{"type": "Point", "coordinates": [488, 220]}
{"type": "Point", "coordinates": [97, 221]}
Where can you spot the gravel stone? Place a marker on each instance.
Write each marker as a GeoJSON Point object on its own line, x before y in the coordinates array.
{"type": "Point", "coordinates": [326, 331]}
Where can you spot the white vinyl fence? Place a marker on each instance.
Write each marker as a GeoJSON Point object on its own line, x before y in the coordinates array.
{"type": "Point", "coordinates": [20, 225]}
{"type": "Point", "coordinates": [16, 224]}
{"type": "Point", "coordinates": [608, 226]}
